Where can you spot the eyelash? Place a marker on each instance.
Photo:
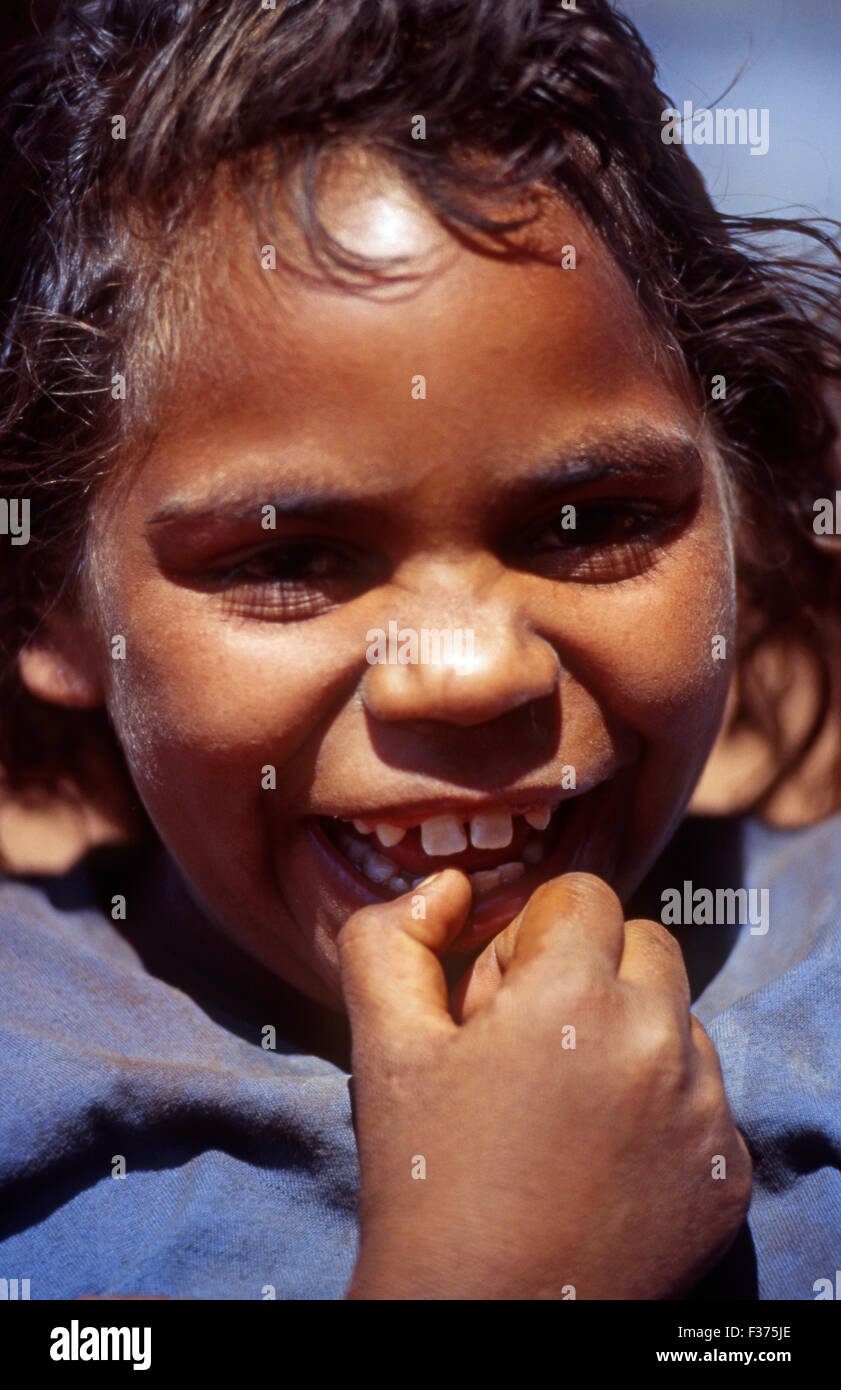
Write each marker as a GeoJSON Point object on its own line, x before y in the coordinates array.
{"type": "Point", "coordinates": [258, 587]}
{"type": "Point", "coordinates": [605, 558]}
{"type": "Point", "coordinates": [251, 584]}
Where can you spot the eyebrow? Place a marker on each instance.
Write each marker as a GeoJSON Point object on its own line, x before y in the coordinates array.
{"type": "Point", "coordinates": [648, 452]}
{"type": "Point", "coordinates": [654, 454]}
{"type": "Point", "coordinates": [324, 505]}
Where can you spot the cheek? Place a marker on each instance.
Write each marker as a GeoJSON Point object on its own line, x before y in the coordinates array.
{"type": "Point", "coordinates": [677, 664]}
{"type": "Point", "coordinates": [202, 700]}
{"type": "Point", "coordinates": [658, 656]}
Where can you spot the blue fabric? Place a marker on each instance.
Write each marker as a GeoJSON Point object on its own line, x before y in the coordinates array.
{"type": "Point", "coordinates": [241, 1168]}
{"type": "Point", "coordinates": [774, 1015]}
{"type": "Point", "coordinates": [240, 1163]}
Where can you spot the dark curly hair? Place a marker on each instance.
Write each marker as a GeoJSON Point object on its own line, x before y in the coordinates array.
{"type": "Point", "coordinates": [542, 93]}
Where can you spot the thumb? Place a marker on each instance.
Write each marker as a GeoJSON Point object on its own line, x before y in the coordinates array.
{"type": "Point", "coordinates": [391, 976]}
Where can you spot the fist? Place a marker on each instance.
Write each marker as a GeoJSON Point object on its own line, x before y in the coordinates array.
{"type": "Point", "coordinates": [557, 1128]}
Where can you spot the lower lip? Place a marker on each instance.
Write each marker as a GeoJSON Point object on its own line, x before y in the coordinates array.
{"type": "Point", "coordinates": [493, 910]}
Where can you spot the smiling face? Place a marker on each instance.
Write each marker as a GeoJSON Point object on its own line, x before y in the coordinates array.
{"type": "Point", "coordinates": [592, 697]}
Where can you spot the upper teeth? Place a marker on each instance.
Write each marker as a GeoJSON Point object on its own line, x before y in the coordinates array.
{"type": "Point", "coordinates": [492, 830]}
{"type": "Point", "coordinates": [390, 834]}
{"type": "Point", "coordinates": [443, 835]}
{"type": "Point", "coordinates": [446, 834]}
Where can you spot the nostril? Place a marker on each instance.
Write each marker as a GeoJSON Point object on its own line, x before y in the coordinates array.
{"type": "Point", "coordinates": [445, 694]}
{"type": "Point", "coordinates": [475, 752]}
{"type": "Point", "coordinates": [497, 660]}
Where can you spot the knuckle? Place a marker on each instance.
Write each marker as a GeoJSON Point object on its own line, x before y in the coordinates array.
{"type": "Point", "coordinates": [406, 1058]}
{"type": "Point", "coordinates": [705, 1049]}
{"type": "Point", "coordinates": [413, 1056]}
{"type": "Point", "coordinates": [358, 930]}
{"type": "Point", "coordinates": [659, 1046]}
{"type": "Point", "coordinates": [592, 893]}
{"type": "Point", "coordinates": [713, 1118]}
{"type": "Point", "coordinates": [712, 1110]}
{"type": "Point", "coordinates": [662, 1047]}
{"type": "Point", "coordinates": [595, 993]}
{"type": "Point", "coordinates": [576, 983]}
{"type": "Point", "coordinates": [579, 992]}
{"type": "Point", "coordinates": [363, 947]}
{"type": "Point", "coordinates": [659, 938]}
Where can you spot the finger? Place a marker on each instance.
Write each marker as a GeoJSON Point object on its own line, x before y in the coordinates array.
{"type": "Point", "coordinates": [708, 1064]}
{"type": "Point", "coordinates": [391, 976]}
{"type": "Point", "coordinates": [653, 958]}
{"type": "Point", "coordinates": [479, 984]}
{"type": "Point", "coordinates": [707, 1057]}
{"type": "Point", "coordinates": [574, 922]}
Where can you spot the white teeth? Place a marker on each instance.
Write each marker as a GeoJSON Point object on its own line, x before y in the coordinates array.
{"type": "Point", "coordinates": [485, 879]}
{"type": "Point", "coordinates": [533, 851]}
{"type": "Point", "coordinates": [443, 835]}
{"type": "Point", "coordinates": [491, 830]}
{"type": "Point", "coordinates": [377, 867]}
{"type": "Point", "coordinates": [399, 884]}
{"type": "Point", "coordinates": [509, 873]}
{"type": "Point", "coordinates": [389, 835]}
{"type": "Point", "coordinates": [354, 851]}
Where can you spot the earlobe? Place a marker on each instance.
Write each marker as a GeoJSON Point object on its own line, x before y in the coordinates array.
{"type": "Point", "coordinates": [59, 664]}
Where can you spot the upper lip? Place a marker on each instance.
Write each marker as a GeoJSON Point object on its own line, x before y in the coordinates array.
{"type": "Point", "coordinates": [462, 808]}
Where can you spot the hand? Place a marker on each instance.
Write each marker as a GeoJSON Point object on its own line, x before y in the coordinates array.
{"type": "Point", "coordinates": [552, 1170]}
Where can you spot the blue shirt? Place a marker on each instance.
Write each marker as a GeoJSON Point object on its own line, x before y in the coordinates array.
{"type": "Point", "coordinates": [148, 1145]}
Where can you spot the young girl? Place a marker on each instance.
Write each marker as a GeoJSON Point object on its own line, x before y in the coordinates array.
{"type": "Point", "coordinates": [340, 340]}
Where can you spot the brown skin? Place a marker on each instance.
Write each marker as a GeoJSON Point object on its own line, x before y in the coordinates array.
{"type": "Point", "coordinates": [549, 1168]}
{"type": "Point", "coordinates": [595, 655]}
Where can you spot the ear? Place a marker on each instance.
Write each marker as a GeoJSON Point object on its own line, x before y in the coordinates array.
{"type": "Point", "coordinates": [60, 664]}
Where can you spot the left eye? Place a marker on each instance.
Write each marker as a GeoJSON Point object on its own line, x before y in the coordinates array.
{"type": "Point", "coordinates": [599, 542]}
{"type": "Point", "coordinates": [580, 527]}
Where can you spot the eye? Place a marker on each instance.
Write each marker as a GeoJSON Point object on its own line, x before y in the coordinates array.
{"type": "Point", "coordinates": [601, 541]}
{"type": "Point", "coordinates": [293, 580]}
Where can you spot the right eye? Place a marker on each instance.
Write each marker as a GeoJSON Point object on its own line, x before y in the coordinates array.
{"type": "Point", "coordinates": [292, 580]}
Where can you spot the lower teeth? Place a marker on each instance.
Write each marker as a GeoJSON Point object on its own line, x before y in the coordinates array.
{"type": "Point", "coordinates": [492, 878]}
{"type": "Point", "coordinates": [377, 867]}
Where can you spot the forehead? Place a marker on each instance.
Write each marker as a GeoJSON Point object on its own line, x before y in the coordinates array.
{"type": "Point", "coordinates": [474, 342]}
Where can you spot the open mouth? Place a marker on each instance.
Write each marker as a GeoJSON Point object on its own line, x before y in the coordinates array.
{"type": "Point", "coordinates": [493, 848]}
{"type": "Point", "coordinates": [507, 851]}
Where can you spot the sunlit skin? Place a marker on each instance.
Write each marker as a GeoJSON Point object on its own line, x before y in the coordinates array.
{"type": "Point", "coordinates": [593, 647]}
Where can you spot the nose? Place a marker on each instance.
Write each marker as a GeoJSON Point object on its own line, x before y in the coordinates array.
{"type": "Point", "coordinates": [465, 675]}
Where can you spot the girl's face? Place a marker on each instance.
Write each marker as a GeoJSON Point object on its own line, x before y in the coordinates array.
{"type": "Point", "coordinates": [496, 450]}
